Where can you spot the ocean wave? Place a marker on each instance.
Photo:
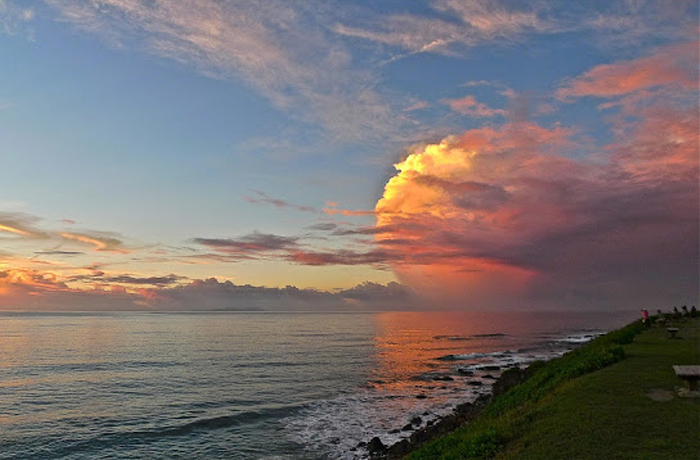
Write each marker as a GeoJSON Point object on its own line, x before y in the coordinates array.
{"type": "Point", "coordinates": [505, 361]}
{"type": "Point", "coordinates": [456, 338]}
{"type": "Point", "coordinates": [453, 338]}
{"type": "Point", "coordinates": [122, 437]}
{"type": "Point", "coordinates": [87, 367]}
{"type": "Point", "coordinates": [580, 338]}
{"type": "Point", "coordinates": [468, 356]}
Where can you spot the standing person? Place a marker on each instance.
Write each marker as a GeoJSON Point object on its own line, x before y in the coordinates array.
{"type": "Point", "coordinates": [645, 317]}
{"type": "Point", "coordinates": [660, 318]}
{"type": "Point", "coordinates": [675, 313]}
{"type": "Point", "coordinates": [685, 311]}
{"type": "Point", "coordinates": [693, 311]}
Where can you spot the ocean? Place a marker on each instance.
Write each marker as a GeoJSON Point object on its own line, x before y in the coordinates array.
{"type": "Point", "coordinates": [254, 385]}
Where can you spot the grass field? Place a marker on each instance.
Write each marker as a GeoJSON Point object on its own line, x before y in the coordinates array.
{"type": "Point", "coordinates": [593, 403]}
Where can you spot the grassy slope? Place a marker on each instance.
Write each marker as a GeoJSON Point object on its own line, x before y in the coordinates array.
{"type": "Point", "coordinates": [568, 411]}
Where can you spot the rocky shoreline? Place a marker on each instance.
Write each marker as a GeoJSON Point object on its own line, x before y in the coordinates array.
{"type": "Point", "coordinates": [461, 414]}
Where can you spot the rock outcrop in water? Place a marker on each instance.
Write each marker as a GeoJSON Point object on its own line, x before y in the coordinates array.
{"type": "Point", "coordinates": [376, 447]}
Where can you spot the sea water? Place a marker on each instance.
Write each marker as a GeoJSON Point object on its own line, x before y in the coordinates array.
{"type": "Point", "coordinates": [254, 385]}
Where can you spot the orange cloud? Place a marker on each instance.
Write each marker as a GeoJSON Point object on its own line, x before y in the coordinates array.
{"type": "Point", "coordinates": [27, 289]}
{"type": "Point", "coordinates": [100, 242]}
{"type": "Point", "coordinates": [20, 224]}
{"type": "Point", "coordinates": [471, 107]}
{"type": "Point", "coordinates": [426, 177]}
{"type": "Point", "coordinates": [346, 212]}
{"type": "Point", "coordinates": [7, 228]}
{"type": "Point", "coordinates": [30, 279]}
{"type": "Point", "coordinates": [673, 65]}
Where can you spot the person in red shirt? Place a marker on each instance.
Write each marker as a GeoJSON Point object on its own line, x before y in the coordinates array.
{"type": "Point", "coordinates": [645, 317]}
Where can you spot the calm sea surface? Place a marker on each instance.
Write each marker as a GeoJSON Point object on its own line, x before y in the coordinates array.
{"type": "Point", "coordinates": [253, 385]}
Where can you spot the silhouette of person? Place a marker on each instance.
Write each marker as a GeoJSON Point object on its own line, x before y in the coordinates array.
{"type": "Point", "coordinates": [660, 318]}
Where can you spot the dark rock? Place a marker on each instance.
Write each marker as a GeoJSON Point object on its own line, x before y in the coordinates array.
{"type": "Point", "coordinates": [492, 368]}
{"type": "Point", "coordinates": [407, 427]}
{"type": "Point", "coordinates": [474, 383]}
{"type": "Point", "coordinates": [489, 376]}
{"type": "Point", "coordinates": [376, 446]}
{"type": "Point", "coordinates": [394, 431]}
{"type": "Point", "coordinates": [361, 444]}
{"type": "Point", "coordinates": [465, 372]}
{"type": "Point", "coordinates": [462, 408]}
{"type": "Point", "coordinates": [416, 420]}
{"type": "Point", "coordinates": [447, 358]}
{"type": "Point", "coordinates": [421, 396]}
{"type": "Point", "coordinates": [402, 446]}
{"type": "Point", "coordinates": [509, 379]}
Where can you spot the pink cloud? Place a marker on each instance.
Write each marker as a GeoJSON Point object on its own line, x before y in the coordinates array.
{"type": "Point", "coordinates": [469, 106]}
{"type": "Point", "coordinates": [499, 216]}
{"type": "Point", "coordinates": [674, 65]}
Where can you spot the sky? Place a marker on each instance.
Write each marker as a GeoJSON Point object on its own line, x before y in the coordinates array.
{"type": "Point", "coordinates": [326, 155]}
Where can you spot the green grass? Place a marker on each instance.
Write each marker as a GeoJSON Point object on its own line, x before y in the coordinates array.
{"type": "Point", "coordinates": [591, 403]}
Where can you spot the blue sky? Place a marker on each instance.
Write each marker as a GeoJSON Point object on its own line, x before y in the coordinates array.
{"type": "Point", "coordinates": [160, 124]}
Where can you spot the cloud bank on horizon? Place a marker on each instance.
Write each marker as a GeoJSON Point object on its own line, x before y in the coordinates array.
{"type": "Point", "coordinates": [530, 189]}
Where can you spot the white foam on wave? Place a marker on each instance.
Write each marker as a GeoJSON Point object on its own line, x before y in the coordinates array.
{"type": "Point", "coordinates": [334, 428]}
{"type": "Point", "coordinates": [468, 356]}
{"type": "Point", "coordinates": [580, 338]}
{"type": "Point", "coordinates": [506, 361]}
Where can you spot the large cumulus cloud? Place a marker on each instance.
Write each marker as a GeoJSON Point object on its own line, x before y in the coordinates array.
{"type": "Point", "coordinates": [507, 216]}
